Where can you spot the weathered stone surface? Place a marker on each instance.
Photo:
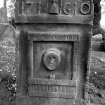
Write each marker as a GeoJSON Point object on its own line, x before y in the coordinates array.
{"type": "Point", "coordinates": [3, 15]}
{"type": "Point", "coordinates": [7, 48]}
{"type": "Point", "coordinates": [7, 64]}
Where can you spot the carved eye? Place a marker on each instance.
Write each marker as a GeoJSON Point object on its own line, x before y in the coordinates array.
{"type": "Point", "coordinates": [85, 8]}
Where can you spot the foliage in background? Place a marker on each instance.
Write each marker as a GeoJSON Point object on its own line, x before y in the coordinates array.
{"type": "Point", "coordinates": [7, 65]}
{"type": "Point", "coordinates": [10, 9]}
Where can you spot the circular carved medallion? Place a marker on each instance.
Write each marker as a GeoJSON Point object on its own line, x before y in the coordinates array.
{"type": "Point", "coordinates": [52, 58]}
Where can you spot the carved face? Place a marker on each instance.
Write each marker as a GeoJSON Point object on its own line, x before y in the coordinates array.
{"type": "Point", "coordinates": [52, 58]}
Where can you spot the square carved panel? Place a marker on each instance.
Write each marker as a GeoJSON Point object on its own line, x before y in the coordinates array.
{"type": "Point", "coordinates": [52, 60]}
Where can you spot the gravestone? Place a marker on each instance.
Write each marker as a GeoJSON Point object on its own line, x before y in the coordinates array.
{"type": "Point", "coordinates": [53, 41]}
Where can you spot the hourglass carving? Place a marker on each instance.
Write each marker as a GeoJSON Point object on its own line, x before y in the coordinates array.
{"type": "Point", "coordinates": [53, 7]}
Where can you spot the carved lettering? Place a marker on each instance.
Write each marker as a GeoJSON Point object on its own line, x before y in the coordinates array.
{"type": "Point", "coordinates": [52, 91]}
{"type": "Point", "coordinates": [54, 37]}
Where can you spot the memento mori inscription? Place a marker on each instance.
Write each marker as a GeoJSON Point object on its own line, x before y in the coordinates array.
{"type": "Point", "coordinates": [55, 7]}
{"type": "Point", "coordinates": [52, 91]}
{"type": "Point", "coordinates": [54, 11]}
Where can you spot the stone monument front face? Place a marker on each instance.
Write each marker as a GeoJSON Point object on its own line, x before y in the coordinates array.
{"type": "Point", "coordinates": [53, 42]}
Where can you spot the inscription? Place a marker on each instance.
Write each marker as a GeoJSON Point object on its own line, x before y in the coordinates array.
{"type": "Point", "coordinates": [50, 88]}
{"type": "Point", "coordinates": [54, 37]}
{"type": "Point", "coordinates": [52, 91]}
{"type": "Point", "coordinates": [69, 83]}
